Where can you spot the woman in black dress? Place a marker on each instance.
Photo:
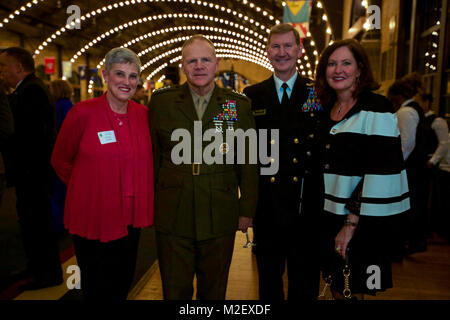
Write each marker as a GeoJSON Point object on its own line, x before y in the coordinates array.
{"type": "Point", "coordinates": [366, 187]}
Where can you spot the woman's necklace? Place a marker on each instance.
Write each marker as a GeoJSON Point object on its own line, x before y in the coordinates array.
{"type": "Point", "coordinates": [341, 107]}
{"type": "Point", "coordinates": [119, 117]}
{"type": "Point", "coordinates": [339, 110]}
{"type": "Point", "coordinates": [120, 120]}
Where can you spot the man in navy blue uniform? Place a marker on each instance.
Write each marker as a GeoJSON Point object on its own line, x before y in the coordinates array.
{"type": "Point", "coordinates": [289, 201]}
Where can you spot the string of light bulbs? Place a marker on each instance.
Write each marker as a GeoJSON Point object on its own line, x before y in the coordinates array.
{"type": "Point", "coordinates": [237, 53]}
{"type": "Point", "coordinates": [430, 54]}
{"type": "Point", "coordinates": [221, 53]}
{"type": "Point", "coordinates": [162, 78]}
{"type": "Point", "coordinates": [243, 51]}
{"type": "Point", "coordinates": [120, 4]}
{"type": "Point", "coordinates": [252, 49]}
{"type": "Point", "coordinates": [160, 17]}
{"type": "Point", "coordinates": [193, 28]}
{"type": "Point", "coordinates": [126, 3]}
{"type": "Point", "coordinates": [163, 55]}
{"type": "Point", "coordinates": [18, 12]}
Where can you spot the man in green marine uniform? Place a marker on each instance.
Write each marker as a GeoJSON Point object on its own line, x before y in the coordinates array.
{"type": "Point", "coordinates": [198, 206]}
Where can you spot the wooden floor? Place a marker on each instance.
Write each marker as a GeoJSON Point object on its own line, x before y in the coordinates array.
{"type": "Point", "coordinates": [421, 276]}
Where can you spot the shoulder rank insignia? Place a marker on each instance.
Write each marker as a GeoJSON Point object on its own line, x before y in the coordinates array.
{"type": "Point", "coordinates": [239, 93]}
{"type": "Point", "coordinates": [163, 89]}
{"type": "Point", "coordinates": [259, 112]}
{"type": "Point", "coordinates": [236, 94]}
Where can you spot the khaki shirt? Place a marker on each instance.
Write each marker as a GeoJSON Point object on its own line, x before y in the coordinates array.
{"type": "Point", "coordinates": [197, 99]}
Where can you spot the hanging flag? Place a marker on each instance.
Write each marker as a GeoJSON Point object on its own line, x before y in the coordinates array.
{"type": "Point", "coordinates": [82, 72]}
{"type": "Point", "coordinates": [297, 13]}
{"type": "Point", "coordinates": [67, 69]}
{"type": "Point", "coordinates": [49, 63]}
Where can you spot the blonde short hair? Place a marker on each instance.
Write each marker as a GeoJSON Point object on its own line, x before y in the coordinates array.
{"type": "Point", "coordinates": [198, 37]}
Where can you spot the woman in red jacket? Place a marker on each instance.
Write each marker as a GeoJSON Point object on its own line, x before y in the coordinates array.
{"type": "Point", "coordinates": [103, 154]}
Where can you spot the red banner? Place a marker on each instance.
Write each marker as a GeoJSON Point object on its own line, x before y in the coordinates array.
{"type": "Point", "coordinates": [49, 65]}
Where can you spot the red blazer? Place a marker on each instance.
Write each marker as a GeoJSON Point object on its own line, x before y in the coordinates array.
{"type": "Point", "coordinates": [94, 208]}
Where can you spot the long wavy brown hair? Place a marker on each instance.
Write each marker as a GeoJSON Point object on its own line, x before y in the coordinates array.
{"type": "Point", "coordinates": [366, 81]}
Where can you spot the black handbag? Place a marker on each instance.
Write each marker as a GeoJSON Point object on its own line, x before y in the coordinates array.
{"type": "Point", "coordinates": [347, 293]}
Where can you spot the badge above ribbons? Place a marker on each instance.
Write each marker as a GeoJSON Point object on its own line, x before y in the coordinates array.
{"type": "Point", "coordinates": [297, 13]}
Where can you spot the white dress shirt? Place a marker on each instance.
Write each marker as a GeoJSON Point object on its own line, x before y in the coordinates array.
{"type": "Point", "coordinates": [440, 127]}
{"type": "Point", "coordinates": [444, 164]}
{"type": "Point", "coordinates": [279, 83]}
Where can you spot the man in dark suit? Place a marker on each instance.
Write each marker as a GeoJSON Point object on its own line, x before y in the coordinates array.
{"type": "Point", "coordinates": [285, 225]}
{"type": "Point", "coordinates": [27, 162]}
{"type": "Point", "coordinates": [198, 208]}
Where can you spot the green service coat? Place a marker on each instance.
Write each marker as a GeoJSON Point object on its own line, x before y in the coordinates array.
{"type": "Point", "coordinates": [206, 205]}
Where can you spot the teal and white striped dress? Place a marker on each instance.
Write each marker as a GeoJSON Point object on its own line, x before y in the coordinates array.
{"type": "Point", "coordinates": [364, 171]}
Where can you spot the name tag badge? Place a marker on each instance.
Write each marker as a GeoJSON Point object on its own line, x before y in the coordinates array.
{"type": "Point", "coordinates": [107, 137]}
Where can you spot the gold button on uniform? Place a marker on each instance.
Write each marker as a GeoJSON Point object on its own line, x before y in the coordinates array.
{"type": "Point", "coordinates": [295, 179]}
{"type": "Point", "coordinates": [312, 115]}
{"type": "Point", "coordinates": [327, 166]}
{"type": "Point", "coordinates": [272, 179]}
{"type": "Point", "coordinates": [272, 141]}
{"type": "Point", "coordinates": [327, 146]}
{"type": "Point", "coordinates": [272, 160]}
{"type": "Point", "coordinates": [296, 141]}
{"type": "Point", "coordinates": [294, 160]}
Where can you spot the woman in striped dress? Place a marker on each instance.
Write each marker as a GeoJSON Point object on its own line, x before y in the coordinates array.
{"type": "Point", "coordinates": [366, 189]}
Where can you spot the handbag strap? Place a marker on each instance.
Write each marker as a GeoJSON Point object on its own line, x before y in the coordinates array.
{"type": "Point", "coordinates": [328, 281]}
{"type": "Point", "coordinates": [346, 272]}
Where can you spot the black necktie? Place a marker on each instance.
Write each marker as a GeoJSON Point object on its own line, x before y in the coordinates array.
{"type": "Point", "coordinates": [285, 99]}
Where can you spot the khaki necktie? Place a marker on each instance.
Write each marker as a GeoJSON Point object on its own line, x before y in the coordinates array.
{"type": "Point", "coordinates": [201, 107]}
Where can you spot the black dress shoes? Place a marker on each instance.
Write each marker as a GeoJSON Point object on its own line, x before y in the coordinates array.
{"type": "Point", "coordinates": [36, 284]}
